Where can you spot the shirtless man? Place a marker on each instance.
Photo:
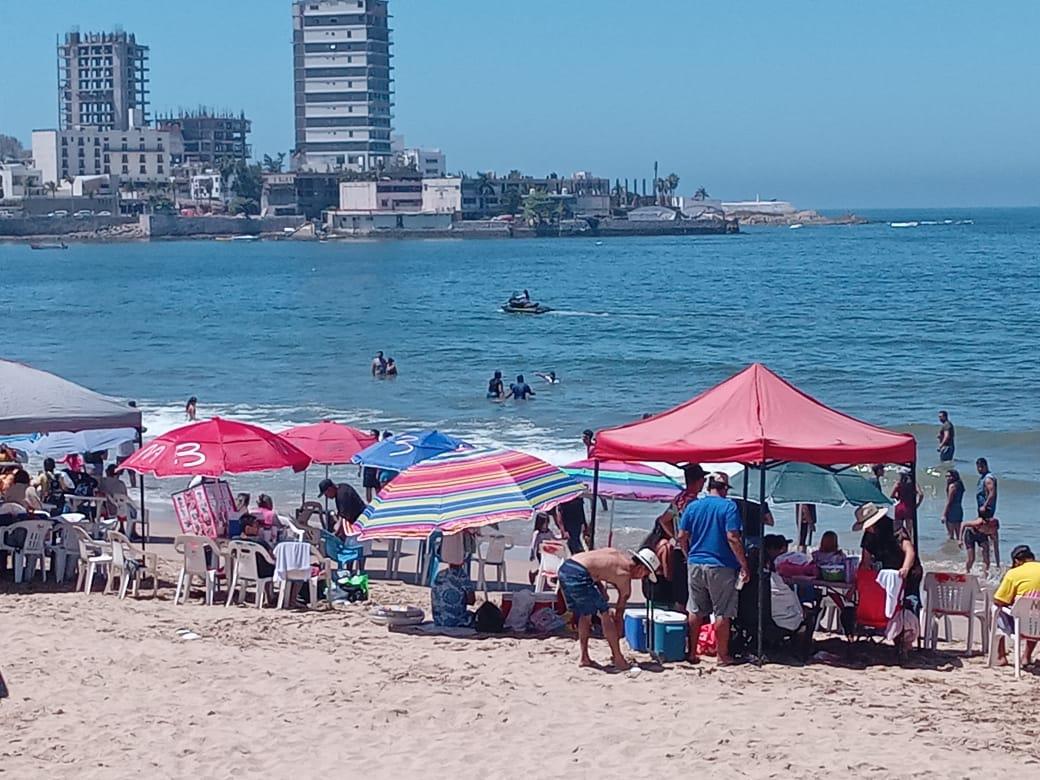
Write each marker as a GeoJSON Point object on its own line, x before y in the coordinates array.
{"type": "Point", "coordinates": [582, 579]}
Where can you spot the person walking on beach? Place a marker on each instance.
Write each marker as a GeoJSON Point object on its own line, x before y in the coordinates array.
{"type": "Point", "coordinates": [953, 509]}
{"type": "Point", "coordinates": [945, 437]}
{"type": "Point", "coordinates": [190, 409]}
{"type": "Point", "coordinates": [877, 471]}
{"type": "Point", "coordinates": [369, 475]}
{"type": "Point", "coordinates": [710, 535]}
{"type": "Point", "coordinates": [571, 518]}
{"type": "Point", "coordinates": [581, 580]}
{"type": "Point", "coordinates": [588, 438]}
{"type": "Point", "coordinates": [984, 528]}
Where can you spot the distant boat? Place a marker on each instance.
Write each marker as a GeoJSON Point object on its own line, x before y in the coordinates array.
{"type": "Point", "coordinates": [49, 245]}
{"type": "Point", "coordinates": [245, 238]}
{"type": "Point", "coordinates": [795, 226]}
{"type": "Point", "coordinates": [903, 224]}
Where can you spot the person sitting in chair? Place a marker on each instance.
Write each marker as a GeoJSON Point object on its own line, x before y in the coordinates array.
{"type": "Point", "coordinates": [453, 591]}
{"type": "Point", "coordinates": [1022, 579]}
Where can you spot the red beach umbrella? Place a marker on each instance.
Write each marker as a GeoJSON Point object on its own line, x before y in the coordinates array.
{"type": "Point", "coordinates": [329, 443]}
{"type": "Point", "coordinates": [216, 447]}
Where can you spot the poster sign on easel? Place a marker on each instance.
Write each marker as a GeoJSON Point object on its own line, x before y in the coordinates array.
{"type": "Point", "coordinates": [204, 509]}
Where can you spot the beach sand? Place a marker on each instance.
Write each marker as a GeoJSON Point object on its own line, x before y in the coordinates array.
{"type": "Point", "coordinates": [106, 688]}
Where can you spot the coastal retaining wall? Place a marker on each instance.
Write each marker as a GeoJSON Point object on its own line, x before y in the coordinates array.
{"type": "Point", "coordinates": [27, 227]}
{"type": "Point", "coordinates": [171, 226]}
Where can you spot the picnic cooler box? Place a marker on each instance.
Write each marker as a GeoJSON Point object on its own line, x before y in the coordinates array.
{"type": "Point", "coordinates": [669, 635]}
{"type": "Point", "coordinates": [635, 629]}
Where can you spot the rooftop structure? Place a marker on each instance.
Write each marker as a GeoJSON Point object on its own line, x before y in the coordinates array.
{"type": "Point", "coordinates": [342, 84]}
{"type": "Point", "coordinates": [102, 81]}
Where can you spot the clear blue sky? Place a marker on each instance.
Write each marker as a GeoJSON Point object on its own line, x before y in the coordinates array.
{"type": "Point", "coordinates": [829, 104]}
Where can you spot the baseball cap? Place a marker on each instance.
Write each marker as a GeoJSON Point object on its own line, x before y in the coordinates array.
{"type": "Point", "coordinates": [718, 479]}
{"type": "Point", "coordinates": [324, 485]}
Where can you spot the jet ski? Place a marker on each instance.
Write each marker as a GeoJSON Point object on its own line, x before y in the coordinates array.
{"type": "Point", "coordinates": [522, 306]}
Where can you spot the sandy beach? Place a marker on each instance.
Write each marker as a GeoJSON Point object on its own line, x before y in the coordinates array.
{"type": "Point", "coordinates": [103, 688]}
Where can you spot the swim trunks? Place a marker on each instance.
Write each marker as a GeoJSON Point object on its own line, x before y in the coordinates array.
{"type": "Point", "coordinates": [580, 591]}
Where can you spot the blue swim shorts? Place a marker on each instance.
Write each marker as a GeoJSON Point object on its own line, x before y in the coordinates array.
{"type": "Point", "coordinates": [580, 591]}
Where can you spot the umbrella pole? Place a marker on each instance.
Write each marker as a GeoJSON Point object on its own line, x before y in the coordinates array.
{"type": "Point", "coordinates": [610, 533]}
{"type": "Point", "coordinates": [326, 497]}
{"type": "Point", "coordinates": [762, 573]}
{"type": "Point", "coordinates": [303, 495]}
{"type": "Point", "coordinates": [595, 498]}
{"type": "Point", "coordinates": [144, 515]}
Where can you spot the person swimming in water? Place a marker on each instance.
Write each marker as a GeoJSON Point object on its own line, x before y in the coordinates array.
{"type": "Point", "coordinates": [391, 367]}
{"type": "Point", "coordinates": [520, 390]}
{"type": "Point", "coordinates": [551, 377]}
{"type": "Point", "coordinates": [496, 388]}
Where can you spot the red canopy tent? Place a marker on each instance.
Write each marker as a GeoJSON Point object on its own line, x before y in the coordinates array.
{"type": "Point", "coordinates": [758, 419]}
{"type": "Point", "coordinates": [754, 417]}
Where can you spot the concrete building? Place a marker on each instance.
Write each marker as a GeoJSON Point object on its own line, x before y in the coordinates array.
{"type": "Point", "coordinates": [210, 137]}
{"type": "Point", "coordinates": [490, 195]}
{"type": "Point", "coordinates": [19, 181]}
{"type": "Point", "coordinates": [207, 187]}
{"type": "Point", "coordinates": [139, 154]}
{"type": "Point", "coordinates": [342, 83]}
{"type": "Point", "coordinates": [381, 195]}
{"type": "Point", "coordinates": [361, 223]}
{"type": "Point", "coordinates": [102, 81]}
{"type": "Point", "coordinates": [299, 193]}
{"type": "Point", "coordinates": [442, 195]}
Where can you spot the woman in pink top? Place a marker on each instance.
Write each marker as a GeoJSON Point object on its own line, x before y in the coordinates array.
{"type": "Point", "coordinates": [265, 513]}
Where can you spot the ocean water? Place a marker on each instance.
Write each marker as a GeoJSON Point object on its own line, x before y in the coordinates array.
{"type": "Point", "coordinates": [889, 324]}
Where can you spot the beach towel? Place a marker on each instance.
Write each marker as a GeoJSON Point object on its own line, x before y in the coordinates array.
{"type": "Point", "coordinates": [291, 557]}
{"type": "Point", "coordinates": [892, 582]}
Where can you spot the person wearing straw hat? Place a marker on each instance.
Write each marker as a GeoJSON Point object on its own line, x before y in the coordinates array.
{"type": "Point", "coordinates": [885, 547]}
{"type": "Point", "coordinates": [582, 580]}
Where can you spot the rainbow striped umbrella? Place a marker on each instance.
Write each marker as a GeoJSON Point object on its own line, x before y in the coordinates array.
{"type": "Point", "coordinates": [465, 489]}
{"type": "Point", "coordinates": [626, 481]}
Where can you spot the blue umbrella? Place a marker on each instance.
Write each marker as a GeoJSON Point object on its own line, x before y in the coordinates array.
{"type": "Point", "coordinates": [406, 449]}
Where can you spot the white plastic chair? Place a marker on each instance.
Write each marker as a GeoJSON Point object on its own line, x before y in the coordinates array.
{"type": "Point", "coordinates": [124, 552]}
{"type": "Point", "coordinates": [950, 594]}
{"type": "Point", "coordinates": [65, 550]}
{"type": "Point", "coordinates": [491, 551]}
{"type": "Point", "coordinates": [553, 554]}
{"type": "Point", "coordinates": [288, 577]}
{"type": "Point", "coordinates": [34, 549]}
{"type": "Point", "coordinates": [241, 558]}
{"type": "Point", "coordinates": [194, 566]}
{"type": "Point", "coordinates": [1025, 615]}
{"type": "Point", "coordinates": [92, 556]}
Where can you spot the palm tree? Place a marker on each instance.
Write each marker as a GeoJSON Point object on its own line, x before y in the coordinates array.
{"type": "Point", "coordinates": [274, 164]}
{"type": "Point", "coordinates": [51, 188]}
{"type": "Point", "coordinates": [701, 194]}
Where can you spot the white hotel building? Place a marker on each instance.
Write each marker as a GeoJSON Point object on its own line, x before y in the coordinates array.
{"type": "Point", "coordinates": [342, 84]}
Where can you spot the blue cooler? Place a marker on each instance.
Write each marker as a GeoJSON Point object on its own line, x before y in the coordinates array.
{"type": "Point", "coordinates": [635, 629]}
{"type": "Point", "coordinates": [669, 635]}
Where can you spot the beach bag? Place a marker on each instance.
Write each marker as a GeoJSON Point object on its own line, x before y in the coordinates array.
{"type": "Point", "coordinates": [488, 619]}
{"type": "Point", "coordinates": [523, 604]}
{"type": "Point", "coordinates": [707, 642]}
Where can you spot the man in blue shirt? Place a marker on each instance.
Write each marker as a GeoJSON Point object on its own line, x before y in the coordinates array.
{"type": "Point", "coordinates": [520, 390]}
{"type": "Point", "coordinates": [710, 534]}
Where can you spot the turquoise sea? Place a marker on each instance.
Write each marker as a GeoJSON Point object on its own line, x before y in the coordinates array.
{"type": "Point", "coordinates": [887, 323]}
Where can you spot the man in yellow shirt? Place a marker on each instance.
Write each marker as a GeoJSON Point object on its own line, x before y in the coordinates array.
{"type": "Point", "coordinates": [1022, 579]}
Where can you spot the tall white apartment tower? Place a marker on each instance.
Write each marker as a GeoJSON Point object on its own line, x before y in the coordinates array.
{"type": "Point", "coordinates": [342, 84]}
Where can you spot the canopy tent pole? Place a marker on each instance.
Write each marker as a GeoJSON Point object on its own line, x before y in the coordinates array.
{"type": "Point", "coordinates": [595, 498]}
{"type": "Point", "coordinates": [762, 570]}
{"type": "Point", "coordinates": [145, 531]}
